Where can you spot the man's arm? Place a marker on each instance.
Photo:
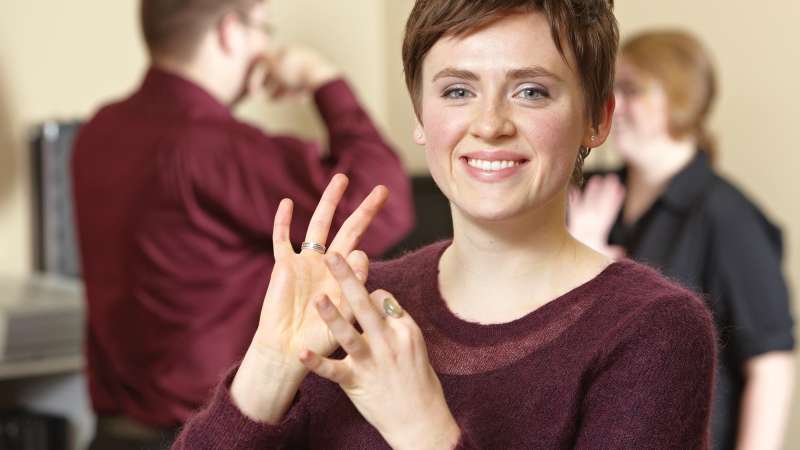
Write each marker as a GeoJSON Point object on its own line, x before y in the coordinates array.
{"type": "Point", "coordinates": [286, 166]}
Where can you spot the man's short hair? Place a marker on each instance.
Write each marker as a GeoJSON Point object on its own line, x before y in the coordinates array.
{"type": "Point", "coordinates": [174, 27]}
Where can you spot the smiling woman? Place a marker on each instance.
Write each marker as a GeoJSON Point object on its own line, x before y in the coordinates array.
{"type": "Point", "coordinates": [514, 99]}
{"type": "Point", "coordinates": [512, 335]}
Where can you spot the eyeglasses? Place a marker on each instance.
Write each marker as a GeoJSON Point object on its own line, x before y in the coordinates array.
{"type": "Point", "coordinates": [267, 28]}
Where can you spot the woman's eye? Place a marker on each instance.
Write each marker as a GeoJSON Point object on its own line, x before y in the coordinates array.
{"type": "Point", "coordinates": [628, 90]}
{"type": "Point", "coordinates": [457, 93]}
{"type": "Point", "coordinates": [532, 93]}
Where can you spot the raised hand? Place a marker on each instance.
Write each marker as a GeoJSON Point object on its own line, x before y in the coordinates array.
{"type": "Point", "coordinates": [386, 374]}
{"type": "Point", "coordinates": [291, 71]}
{"type": "Point", "coordinates": [289, 323]}
{"type": "Point", "coordinates": [592, 213]}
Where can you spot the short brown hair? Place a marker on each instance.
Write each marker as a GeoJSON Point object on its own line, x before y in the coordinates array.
{"type": "Point", "coordinates": [588, 26]}
{"type": "Point", "coordinates": [680, 64]}
{"type": "Point", "coordinates": [174, 27]}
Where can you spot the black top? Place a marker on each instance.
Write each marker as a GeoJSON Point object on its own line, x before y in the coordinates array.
{"type": "Point", "coordinates": [703, 232]}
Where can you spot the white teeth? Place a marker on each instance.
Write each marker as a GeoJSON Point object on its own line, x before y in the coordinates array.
{"type": "Point", "coordinates": [491, 166]}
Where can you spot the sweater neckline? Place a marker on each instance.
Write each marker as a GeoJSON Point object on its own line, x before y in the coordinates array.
{"type": "Point", "coordinates": [468, 332]}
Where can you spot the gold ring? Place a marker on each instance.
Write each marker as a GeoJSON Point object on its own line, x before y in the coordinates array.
{"type": "Point", "coordinates": [392, 308]}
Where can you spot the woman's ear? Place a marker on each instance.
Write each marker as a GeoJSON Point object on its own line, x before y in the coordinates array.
{"type": "Point", "coordinates": [595, 136]}
{"type": "Point", "coordinates": [419, 134]}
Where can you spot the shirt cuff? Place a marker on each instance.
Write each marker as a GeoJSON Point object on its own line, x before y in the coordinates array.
{"type": "Point", "coordinates": [334, 99]}
{"type": "Point", "coordinates": [777, 342]}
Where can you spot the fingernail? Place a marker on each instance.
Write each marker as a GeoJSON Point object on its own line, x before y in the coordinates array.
{"type": "Point", "coordinates": [324, 303]}
{"type": "Point", "coordinates": [333, 259]}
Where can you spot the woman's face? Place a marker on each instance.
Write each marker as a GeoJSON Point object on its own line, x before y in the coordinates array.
{"type": "Point", "coordinates": [640, 118]}
{"type": "Point", "coordinates": [502, 118]}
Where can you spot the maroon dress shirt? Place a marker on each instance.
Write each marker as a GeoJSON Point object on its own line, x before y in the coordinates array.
{"type": "Point", "coordinates": [175, 200]}
{"type": "Point", "coordinates": [624, 361]}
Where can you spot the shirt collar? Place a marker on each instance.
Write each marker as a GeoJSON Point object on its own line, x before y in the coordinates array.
{"type": "Point", "coordinates": [689, 184]}
{"type": "Point", "coordinates": [180, 95]}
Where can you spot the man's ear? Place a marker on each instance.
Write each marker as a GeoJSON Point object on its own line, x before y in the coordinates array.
{"type": "Point", "coordinates": [228, 32]}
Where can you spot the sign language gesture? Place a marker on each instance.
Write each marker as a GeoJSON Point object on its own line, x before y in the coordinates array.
{"type": "Point", "coordinates": [270, 373]}
{"type": "Point", "coordinates": [289, 322]}
{"type": "Point", "coordinates": [387, 374]}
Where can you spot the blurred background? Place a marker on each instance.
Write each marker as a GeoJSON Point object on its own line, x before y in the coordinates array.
{"type": "Point", "coordinates": [61, 60]}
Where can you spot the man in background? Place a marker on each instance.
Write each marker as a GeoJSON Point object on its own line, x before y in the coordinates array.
{"type": "Point", "coordinates": [175, 200]}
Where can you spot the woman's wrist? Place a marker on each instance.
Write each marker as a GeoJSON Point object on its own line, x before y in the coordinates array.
{"type": "Point", "coordinates": [266, 384]}
{"type": "Point", "coordinates": [435, 431]}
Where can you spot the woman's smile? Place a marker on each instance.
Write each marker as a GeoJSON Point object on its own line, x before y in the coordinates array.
{"type": "Point", "coordinates": [492, 166]}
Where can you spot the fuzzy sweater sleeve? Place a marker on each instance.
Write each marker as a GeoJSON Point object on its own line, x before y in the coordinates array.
{"type": "Point", "coordinates": [220, 425]}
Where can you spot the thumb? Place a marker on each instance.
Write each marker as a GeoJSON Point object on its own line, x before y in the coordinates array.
{"type": "Point", "coordinates": [257, 74]}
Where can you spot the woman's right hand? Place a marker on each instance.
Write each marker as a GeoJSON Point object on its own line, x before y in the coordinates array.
{"type": "Point", "coordinates": [270, 373]}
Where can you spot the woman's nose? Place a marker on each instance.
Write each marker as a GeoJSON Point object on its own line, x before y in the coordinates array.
{"type": "Point", "coordinates": [492, 123]}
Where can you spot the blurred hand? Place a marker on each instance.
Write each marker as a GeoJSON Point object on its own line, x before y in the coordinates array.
{"type": "Point", "coordinates": [291, 71]}
{"type": "Point", "coordinates": [593, 212]}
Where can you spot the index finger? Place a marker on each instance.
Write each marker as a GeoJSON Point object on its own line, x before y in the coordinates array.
{"type": "Point", "coordinates": [351, 231]}
{"type": "Point", "coordinates": [281, 244]}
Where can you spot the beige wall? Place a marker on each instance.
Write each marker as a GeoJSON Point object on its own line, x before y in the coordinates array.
{"type": "Point", "coordinates": [62, 59]}
{"type": "Point", "coordinates": [55, 62]}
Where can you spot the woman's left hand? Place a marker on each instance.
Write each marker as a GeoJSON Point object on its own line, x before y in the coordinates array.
{"type": "Point", "coordinates": [387, 374]}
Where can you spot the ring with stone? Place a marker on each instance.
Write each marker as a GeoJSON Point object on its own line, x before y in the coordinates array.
{"type": "Point", "coordinates": [308, 245]}
{"type": "Point", "coordinates": [392, 308]}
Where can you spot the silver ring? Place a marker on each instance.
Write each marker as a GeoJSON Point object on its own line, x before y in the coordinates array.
{"type": "Point", "coordinates": [319, 248]}
{"type": "Point", "coordinates": [392, 308]}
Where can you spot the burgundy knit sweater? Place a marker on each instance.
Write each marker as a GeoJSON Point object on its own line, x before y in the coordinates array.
{"type": "Point", "coordinates": [624, 361]}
